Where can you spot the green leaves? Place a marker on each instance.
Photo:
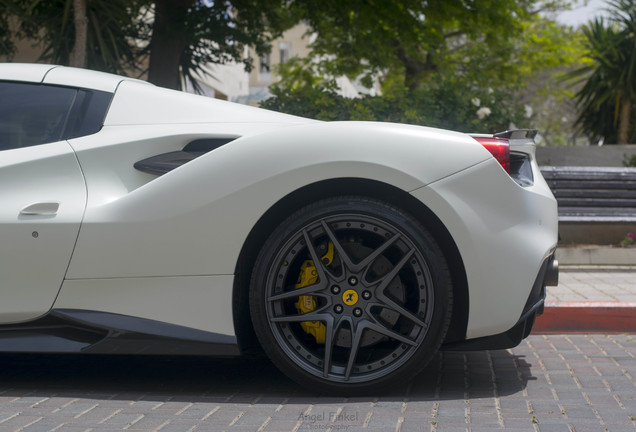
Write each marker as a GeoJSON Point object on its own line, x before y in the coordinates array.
{"type": "Point", "coordinates": [443, 102]}
{"type": "Point", "coordinates": [188, 34]}
{"type": "Point", "coordinates": [431, 59]}
{"type": "Point", "coordinates": [608, 93]}
{"type": "Point", "coordinates": [218, 32]}
{"type": "Point", "coordinates": [112, 30]}
{"type": "Point", "coordinates": [418, 39]}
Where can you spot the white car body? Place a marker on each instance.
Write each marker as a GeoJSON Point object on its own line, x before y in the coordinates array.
{"type": "Point", "coordinates": [100, 235]}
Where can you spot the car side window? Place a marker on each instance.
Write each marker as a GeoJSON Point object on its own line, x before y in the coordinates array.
{"type": "Point", "coordinates": [88, 113]}
{"type": "Point", "coordinates": [34, 114]}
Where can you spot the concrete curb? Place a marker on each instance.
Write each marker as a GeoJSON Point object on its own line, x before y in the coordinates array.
{"type": "Point", "coordinates": [586, 317]}
{"type": "Point", "coordinates": [596, 255]}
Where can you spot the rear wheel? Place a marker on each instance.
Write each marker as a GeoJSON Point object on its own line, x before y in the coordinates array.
{"type": "Point", "coordinates": [350, 293]}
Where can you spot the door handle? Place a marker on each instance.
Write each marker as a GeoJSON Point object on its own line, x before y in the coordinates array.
{"type": "Point", "coordinates": [41, 209]}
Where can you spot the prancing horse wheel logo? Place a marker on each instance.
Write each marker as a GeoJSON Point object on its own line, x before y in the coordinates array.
{"type": "Point", "coordinates": [350, 297]}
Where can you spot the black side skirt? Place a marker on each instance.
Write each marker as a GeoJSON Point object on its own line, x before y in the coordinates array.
{"type": "Point", "coordinates": [82, 331]}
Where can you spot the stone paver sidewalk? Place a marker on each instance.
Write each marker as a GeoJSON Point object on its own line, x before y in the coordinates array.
{"type": "Point", "coordinates": [595, 284]}
{"type": "Point", "coordinates": [590, 299]}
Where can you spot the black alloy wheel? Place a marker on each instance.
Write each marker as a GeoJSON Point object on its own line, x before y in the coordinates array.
{"type": "Point", "coordinates": [350, 294]}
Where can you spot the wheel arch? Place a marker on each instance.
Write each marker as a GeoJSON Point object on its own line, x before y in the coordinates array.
{"type": "Point", "coordinates": [343, 187]}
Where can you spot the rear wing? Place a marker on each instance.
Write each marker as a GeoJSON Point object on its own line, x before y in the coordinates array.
{"type": "Point", "coordinates": [520, 140]}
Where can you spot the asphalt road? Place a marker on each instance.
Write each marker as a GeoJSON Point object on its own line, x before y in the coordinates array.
{"type": "Point", "coordinates": [548, 383]}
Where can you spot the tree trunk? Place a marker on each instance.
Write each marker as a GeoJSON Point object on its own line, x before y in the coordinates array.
{"type": "Point", "coordinates": [415, 70]}
{"type": "Point", "coordinates": [623, 121]}
{"type": "Point", "coordinates": [168, 42]}
{"type": "Point", "coordinates": [78, 54]}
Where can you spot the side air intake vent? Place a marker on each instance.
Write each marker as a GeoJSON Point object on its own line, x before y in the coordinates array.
{"type": "Point", "coordinates": [165, 162]}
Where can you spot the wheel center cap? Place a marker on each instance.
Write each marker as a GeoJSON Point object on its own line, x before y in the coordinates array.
{"type": "Point", "coordinates": [350, 297]}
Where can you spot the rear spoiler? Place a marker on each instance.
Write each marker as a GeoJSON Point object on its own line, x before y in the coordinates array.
{"type": "Point", "coordinates": [517, 134]}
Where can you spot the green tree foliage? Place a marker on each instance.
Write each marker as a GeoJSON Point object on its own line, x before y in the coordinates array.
{"type": "Point", "coordinates": [188, 34]}
{"type": "Point", "coordinates": [175, 38]}
{"type": "Point", "coordinates": [109, 37]}
{"type": "Point", "coordinates": [433, 60]}
{"type": "Point", "coordinates": [7, 46]}
{"type": "Point", "coordinates": [629, 161]}
{"type": "Point", "coordinates": [415, 37]}
{"type": "Point", "coordinates": [444, 103]}
{"type": "Point", "coordinates": [549, 51]}
{"type": "Point", "coordinates": [606, 100]}
{"type": "Point", "coordinates": [419, 39]}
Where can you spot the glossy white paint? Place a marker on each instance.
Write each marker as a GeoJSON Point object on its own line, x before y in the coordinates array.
{"type": "Point", "coordinates": [24, 72]}
{"type": "Point", "coordinates": [200, 302]}
{"type": "Point", "coordinates": [64, 76]}
{"type": "Point", "coordinates": [137, 103]}
{"type": "Point", "coordinates": [36, 236]}
{"type": "Point", "coordinates": [205, 209]}
{"type": "Point", "coordinates": [83, 78]}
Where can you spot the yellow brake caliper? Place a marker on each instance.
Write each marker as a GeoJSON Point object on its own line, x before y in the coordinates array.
{"type": "Point", "coordinates": [306, 304]}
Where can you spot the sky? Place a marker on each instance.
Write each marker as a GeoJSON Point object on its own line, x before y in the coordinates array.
{"type": "Point", "coordinates": [582, 12]}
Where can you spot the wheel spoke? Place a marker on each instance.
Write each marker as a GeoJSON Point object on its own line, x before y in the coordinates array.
{"type": "Point", "coordinates": [321, 268]}
{"type": "Point", "coordinates": [308, 290]}
{"type": "Point", "coordinates": [332, 326]}
{"type": "Point", "coordinates": [374, 255]}
{"type": "Point", "coordinates": [390, 333]}
{"type": "Point", "coordinates": [386, 279]}
{"type": "Point", "coordinates": [356, 338]}
{"type": "Point", "coordinates": [336, 243]}
{"type": "Point", "coordinates": [393, 305]}
{"type": "Point", "coordinates": [314, 257]}
{"type": "Point", "coordinates": [310, 316]}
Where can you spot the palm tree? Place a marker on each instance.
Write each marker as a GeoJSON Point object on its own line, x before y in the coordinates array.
{"type": "Point", "coordinates": [172, 40]}
{"type": "Point", "coordinates": [96, 34]}
{"type": "Point", "coordinates": [607, 98]}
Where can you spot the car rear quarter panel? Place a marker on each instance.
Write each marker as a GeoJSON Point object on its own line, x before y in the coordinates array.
{"type": "Point", "coordinates": [503, 232]}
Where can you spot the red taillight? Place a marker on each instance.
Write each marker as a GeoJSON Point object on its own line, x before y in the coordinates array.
{"type": "Point", "coordinates": [499, 148]}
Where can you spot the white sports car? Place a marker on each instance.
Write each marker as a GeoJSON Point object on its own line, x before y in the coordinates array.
{"type": "Point", "coordinates": [140, 220]}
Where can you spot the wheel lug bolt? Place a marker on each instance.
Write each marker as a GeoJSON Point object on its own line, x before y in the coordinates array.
{"type": "Point", "coordinates": [366, 295]}
{"type": "Point", "coordinates": [353, 281]}
{"type": "Point", "coordinates": [357, 312]}
{"type": "Point", "coordinates": [338, 308]}
{"type": "Point", "coordinates": [335, 289]}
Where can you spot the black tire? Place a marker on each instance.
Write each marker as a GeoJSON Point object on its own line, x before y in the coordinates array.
{"type": "Point", "coordinates": [383, 296]}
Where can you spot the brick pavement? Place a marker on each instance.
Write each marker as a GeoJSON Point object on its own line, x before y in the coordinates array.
{"type": "Point", "coordinates": [572, 383]}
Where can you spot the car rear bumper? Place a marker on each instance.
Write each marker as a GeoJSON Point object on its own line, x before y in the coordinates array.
{"type": "Point", "coordinates": [548, 276]}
